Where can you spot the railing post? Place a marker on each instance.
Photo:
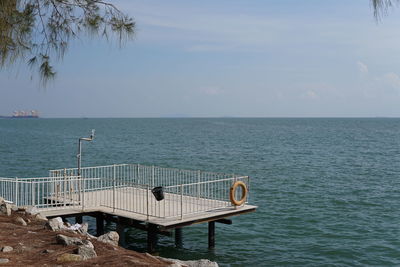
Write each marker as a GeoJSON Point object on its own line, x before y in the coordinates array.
{"type": "Point", "coordinates": [248, 189]}
{"type": "Point", "coordinates": [114, 174]}
{"type": "Point", "coordinates": [198, 185]}
{"type": "Point", "coordinates": [152, 176]}
{"type": "Point", "coordinates": [83, 192]}
{"type": "Point", "coordinates": [147, 196]}
{"type": "Point", "coordinates": [33, 193]}
{"type": "Point", "coordinates": [16, 191]}
{"type": "Point", "coordinates": [65, 187]}
{"type": "Point", "coordinates": [181, 201]}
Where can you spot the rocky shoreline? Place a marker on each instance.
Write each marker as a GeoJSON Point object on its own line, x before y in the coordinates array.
{"type": "Point", "coordinates": [28, 239]}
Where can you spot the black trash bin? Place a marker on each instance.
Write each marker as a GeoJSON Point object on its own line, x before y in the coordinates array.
{"type": "Point", "coordinates": [158, 193]}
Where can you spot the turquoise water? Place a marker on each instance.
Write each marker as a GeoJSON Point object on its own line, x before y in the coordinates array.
{"type": "Point", "coordinates": [328, 190]}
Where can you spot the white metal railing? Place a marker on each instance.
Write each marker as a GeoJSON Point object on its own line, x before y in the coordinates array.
{"type": "Point", "coordinates": [125, 187]}
{"type": "Point", "coordinates": [42, 192]}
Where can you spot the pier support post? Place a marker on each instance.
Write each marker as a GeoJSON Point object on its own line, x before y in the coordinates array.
{"type": "Point", "coordinates": [178, 237]}
{"type": "Point", "coordinates": [151, 238]}
{"type": "Point", "coordinates": [78, 219]}
{"type": "Point", "coordinates": [211, 235]}
{"type": "Point", "coordinates": [121, 233]}
{"type": "Point", "coordinates": [99, 224]}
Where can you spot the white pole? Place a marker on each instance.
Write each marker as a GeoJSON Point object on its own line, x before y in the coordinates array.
{"type": "Point", "coordinates": [16, 191]}
{"type": "Point", "coordinates": [114, 189]}
{"type": "Point", "coordinates": [181, 201]}
{"type": "Point", "coordinates": [147, 195]}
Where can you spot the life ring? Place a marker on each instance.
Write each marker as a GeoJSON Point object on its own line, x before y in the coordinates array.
{"type": "Point", "coordinates": [232, 193]}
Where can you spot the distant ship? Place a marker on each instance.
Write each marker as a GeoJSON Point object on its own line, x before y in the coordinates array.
{"type": "Point", "coordinates": [33, 114]}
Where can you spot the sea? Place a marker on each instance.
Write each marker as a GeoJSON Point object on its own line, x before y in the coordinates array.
{"type": "Point", "coordinates": [327, 189]}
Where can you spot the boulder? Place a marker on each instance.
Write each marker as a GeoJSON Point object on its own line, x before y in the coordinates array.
{"type": "Point", "coordinates": [6, 249]}
{"type": "Point", "coordinates": [91, 236]}
{"type": "Point", "coordinates": [55, 224]}
{"type": "Point", "coordinates": [87, 243]}
{"type": "Point", "coordinates": [86, 252]}
{"type": "Point", "coordinates": [197, 263]}
{"type": "Point", "coordinates": [111, 238]}
{"type": "Point", "coordinates": [68, 241]}
{"type": "Point", "coordinates": [68, 257]}
{"type": "Point", "coordinates": [31, 210]}
{"type": "Point", "coordinates": [20, 221]}
{"type": "Point", "coordinates": [5, 209]}
{"type": "Point", "coordinates": [47, 251]}
{"type": "Point", "coordinates": [84, 228]}
{"type": "Point", "coordinates": [1, 201]}
{"type": "Point", "coordinates": [79, 228]}
{"type": "Point", "coordinates": [40, 217]}
{"type": "Point", "coordinates": [4, 261]}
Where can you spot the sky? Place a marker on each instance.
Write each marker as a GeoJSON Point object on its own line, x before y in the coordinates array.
{"type": "Point", "coordinates": [226, 58]}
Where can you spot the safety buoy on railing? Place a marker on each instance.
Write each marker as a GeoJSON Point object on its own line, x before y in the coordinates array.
{"type": "Point", "coordinates": [234, 201]}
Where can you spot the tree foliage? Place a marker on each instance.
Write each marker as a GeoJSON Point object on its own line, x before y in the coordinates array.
{"type": "Point", "coordinates": [381, 7]}
{"type": "Point", "coordinates": [39, 31]}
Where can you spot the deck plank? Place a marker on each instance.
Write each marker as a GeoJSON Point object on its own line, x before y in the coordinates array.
{"type": "Point", "coordinates": [133, 203]}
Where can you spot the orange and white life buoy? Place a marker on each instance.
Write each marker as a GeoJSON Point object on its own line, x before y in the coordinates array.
{"type": "Point", "coordinates": [234, 201]}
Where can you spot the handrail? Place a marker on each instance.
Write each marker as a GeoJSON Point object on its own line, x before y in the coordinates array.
{"type": "Point", "coordinates": [125, 187]}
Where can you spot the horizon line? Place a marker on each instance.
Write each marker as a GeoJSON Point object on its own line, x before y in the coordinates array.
{"type": "Point", "coordinates": [232, 117]}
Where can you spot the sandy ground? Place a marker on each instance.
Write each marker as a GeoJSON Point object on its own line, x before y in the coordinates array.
{"type": "Point", "coordinates": [31, 241]}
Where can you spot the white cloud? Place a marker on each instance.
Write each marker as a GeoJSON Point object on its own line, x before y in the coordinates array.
{"type": "Point", "coordinates": [211, 90]}
{"type": "Point", "coordinates": [217, 29]}
{"type": "Point", "coordinates": [311, 94]}
{"type": "Point", "coordinates": [211, 47]}
{"type": "Point", "coordinates": [392, 79]}
{"type": "Point", "coordinates": [363, 68]}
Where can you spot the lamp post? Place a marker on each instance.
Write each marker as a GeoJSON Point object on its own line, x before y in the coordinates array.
{"type": "Point", "coordinates": [80, 149]}
{"type": "Point", "coordinates": [79, 156]}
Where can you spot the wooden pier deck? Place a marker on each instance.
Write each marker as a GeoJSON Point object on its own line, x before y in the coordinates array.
{"type": "Point", "coordinates": [128, 205]}
{"type": "Point", "coordinates": [122, 193]}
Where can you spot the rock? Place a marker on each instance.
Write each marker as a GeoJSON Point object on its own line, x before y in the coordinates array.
{"type": "Point", "coordinates": [67, 257]}
{"type": "Point", "coordinates": [6, 249]}
{"type": "Point", "coordinates": [79, 228]}
{"type": "Point", "coordinates": [14, 208]}
{"type": "Point", "coordinates": [1, 201]}
{"type": "Point", "coordinates": [198, 263]}
{"type": "Point", "coordinates": [84, 228]}
{"type": "Point", "coordinates": [86, 252]}
{"type": "Point", "coordinates": [3, 261]}
{"type": "Point", "coordinates": [31, 210]}
{"type": "Point", "coordinates": [109, 238]}
{"type": "Point", "coordinates": [201, 263]}
{"type": "Point", "coordinates": [67, 241]}
{"type": "Point", "coordinates": [5, 209]}
{"type": "Point", "coordinates": [55, 224]}
{"type": "Point", "coordinates": [91, 236]}
{"type": "Point", "coordinates": [40, 217]}
{"type": "Point", "coordinates": [47, 251]}
{"type": "Point", "coordinates": [87, 243]}
{"type": "Point", "coordinates": [20, 221]}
